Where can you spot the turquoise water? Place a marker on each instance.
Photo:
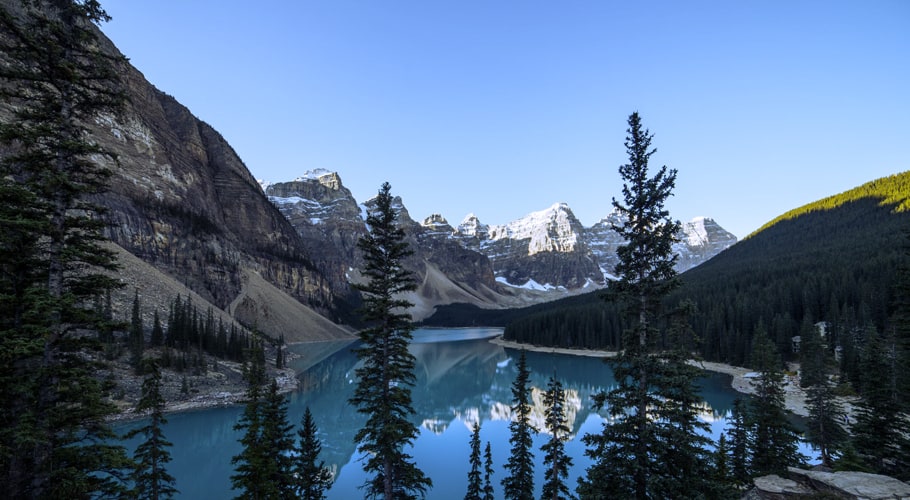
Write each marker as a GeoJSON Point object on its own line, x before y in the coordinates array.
{"type": "Point", "coordinates": [462, 378]}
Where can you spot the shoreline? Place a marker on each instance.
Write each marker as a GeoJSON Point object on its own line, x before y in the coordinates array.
{"type": "Point", "coordinates": [795, 397]}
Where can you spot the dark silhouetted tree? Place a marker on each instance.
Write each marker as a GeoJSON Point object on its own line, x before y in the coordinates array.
{"type": "Point", "coordinates": [55, 80]}
{"type": "Point", "coordinates": [475, 487]}
{"type": "Point", "coordinates": [876, 438]}
{"type": "Point", "coordinates": [488, 492]}
{"type": "Point", "coordinates": [519, 483]}
{"type": "Point", "coordinates": [739, 443]}
{"type": "Point", "coordinates": [823, 426]}
{"type": "Point", "coordinates": [151, 480]}
{"type": "Point", "coordinates": [555, 460]}
{"type": "Point", "coordinates": [136, 335]}
{"type": "Point", "coordinates": [262, 468]}
{"type": "Point", "coordinates": [640, 454]}
{"type": "Point", "coordinates": [311, 477]}
{"type": "Point", "coordinates": [383, 391]}
{"type": "Point", "coordinates": [773, 444]}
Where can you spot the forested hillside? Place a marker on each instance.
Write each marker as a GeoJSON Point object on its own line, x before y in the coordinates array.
{"type": "Point", "coordinates": [833, 260]}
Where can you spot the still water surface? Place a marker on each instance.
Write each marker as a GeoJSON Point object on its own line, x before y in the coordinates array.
{"type": "Point", "coordinates": [462, 378]}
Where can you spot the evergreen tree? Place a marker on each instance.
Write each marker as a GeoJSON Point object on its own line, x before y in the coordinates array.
{"type": "Point", "coordinates": [157, 338]}
{"type": "Point", "coordinates": [488, 493]}
{"type": "Point", "coordinates": [722, 484]}
{"type": "Point", "coordinates": [55, 79]}
{"type": "Point", "coordinates": [519, 483]}
{"type": "Point", "coordinates": [773, 441]}
{"type": "Point", "coordinates": [277, 443]}
{"type": "Point", "coordinates": [475, 488]}
{"type": "Point", "coordinates": [632, 455]}
{"type": "Point", "coordinates": [739, 443]}
{"type": "Point", "coordinates": [311, 479]}
{"type": "Point", "coordinates": [151, 479]}
{"type": "Point", "coordinates": [823, 427]}
{"type": "Point", "coordinates": [876, 438]}
{"type": "Point", "coordinates": [681, 436]}
{"type": "Point", "coordinates": [136, 336]}
{"type": "Point", "coordinates": [555, 460]}
{"type": "Point", "coordinates": [251, 466]}
{"type": "Point", "coordinates": [383, 391]}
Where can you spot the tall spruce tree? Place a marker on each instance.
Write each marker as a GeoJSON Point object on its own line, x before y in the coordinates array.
{"type": "Point", "coordinates": [739, 443]}
{"type": "Point", "coordinates": [876, 438]}
{"type": "Point", "coordinates": [278, 442]}
{"type": "Point", "coordinates": [636, 453]}
{"type": "Point", "coordinates": [773, 440]}
{"type": "Point", "coordinates": [311, 479]}
{"type": "Point", "coordinates": [136, 335]}
{"type": "Point", "coordinates": [519, 483]}
{"type": "Point", "coordinates": [824, 428]}
{"type": "Point", "coordinates": [556, 461]}
{"type": "Point", "coordinates": [151, 480]}
{"type": "Point", "coordinates": [684, 459]}
{"type": "Point", "coordinates": [488, 492]}
{"type": "Point", "coordinates": [55, 79]}
{"type": "Point", "coordinates": [252, 471]}
{"type": "Point", "coordinates": [383, 391]}
{"type": "Point", "coordinates": [475, 487]}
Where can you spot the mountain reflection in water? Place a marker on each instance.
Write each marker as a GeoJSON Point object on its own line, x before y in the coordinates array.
{"type": "Point", "coordinates": [462, 378]}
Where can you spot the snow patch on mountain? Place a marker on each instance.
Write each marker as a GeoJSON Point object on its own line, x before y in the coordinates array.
{"type": "Point", "coordinates": [530, 285]}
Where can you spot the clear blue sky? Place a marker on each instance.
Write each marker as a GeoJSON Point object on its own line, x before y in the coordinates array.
{"type": "Point", "coordinates": [503, 107]}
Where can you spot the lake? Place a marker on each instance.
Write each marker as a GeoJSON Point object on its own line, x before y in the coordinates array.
{"type": "Point", "coordinates": [462, 378]}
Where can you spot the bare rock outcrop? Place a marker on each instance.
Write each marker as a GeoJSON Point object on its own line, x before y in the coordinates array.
{"type": "Point", "coordinates": [801, 483]}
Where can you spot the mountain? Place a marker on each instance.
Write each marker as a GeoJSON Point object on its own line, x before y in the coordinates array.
{"type": "Point", "coordinates": [544, 249]}
{"type": "Point", "coordinates": [330, 221]}
{"type": "Point", "coordinates": [184, 204]}
{"type": "Point", "coordinates": [551, 249]}
{"type": "Point", "coordinates": [833, 260]}
{"type": "Point", "coordinates": [542, 256]}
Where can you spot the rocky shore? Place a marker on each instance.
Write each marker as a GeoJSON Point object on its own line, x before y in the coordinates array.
{"type": "Point", "coordinates": [795, 396]}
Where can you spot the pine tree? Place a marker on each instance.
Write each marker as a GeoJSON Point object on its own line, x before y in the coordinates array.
{"type": "Point", "coordinates": [151, 479]}
{"type": "Point", "coordinates": [277, 444]}
{"type": "Point", "coordinates": [383, 391]}
{"type": "Point", "coordinates": [488, 493]}
{"type": "Point", "coordinates": [250, 465]}
{"type": "Point", "coordinates": [721, 477]}
{"type": "Point", "coordinates": [683, 459]}
{"type": "Point", "coordinates": [823, 427]}
{"type": "Point", "coordinates": [876, 438]}
{"type": "Point", "coordinates": [555, 460]}
{"type": "Point", "coordinates": [475, 488]}
{"type": "Point", "coordinates": [157, 337]}
{"type": "Point", "coordinates": [311, 479]}
{"type": "Point", "coordinates": [519, 483]}
{"type": "Point", "coordinates": [739, 443]}
{"type": "Point", "coordinates": [773, 441]}
{"type": "Point", "coordinates": [137, 336]}
{"type": "Point", "coordinates": [55, 80]}
{"type": "Point", "coordinates": [630, 455]}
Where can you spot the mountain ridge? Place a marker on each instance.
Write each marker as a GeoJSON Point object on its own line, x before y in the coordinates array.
{"type": "Point", "coordinates": [547, 251]}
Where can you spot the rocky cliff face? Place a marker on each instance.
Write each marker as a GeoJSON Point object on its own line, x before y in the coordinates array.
{"type": "Point", "coordinates": [182, 201]}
